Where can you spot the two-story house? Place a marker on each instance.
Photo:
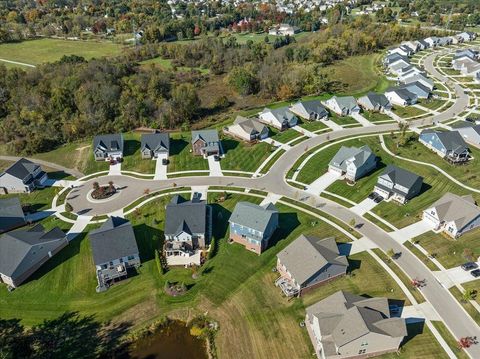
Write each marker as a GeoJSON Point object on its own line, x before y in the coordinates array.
{"type": "Point", "coordinates": [188, 227]}
{"type": "Point", "coordinates": [206, 143]}
{"type": "Point", "coordinates": [447, 144]}
{"type": "Point", "coordinates": [108, 147]}
{"type": "Point", "coordinates": [353, 162]}
{"type": "Point", "coordinates": [252, 225]}
{"type": "Point", "coordinates": [114, 250]}
{"type": "Point", "coordinates": [309, 262]}
{"type": "Point", "coordinates": [398, 184]}
{"type": "Point", "coordinates": [453, 215]}
{"type": "Point", "coordinates": [345, 325]}
{"type": "Point", "coordinates": [23, 176]}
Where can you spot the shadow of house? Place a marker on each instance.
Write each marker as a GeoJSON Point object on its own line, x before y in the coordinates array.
{"type": "Point", "coordinates": [220, 216]}
{"type": "Point", "coordinates": [177, 145]}
{"type": "Point", "coordinates": [229, 144]}
{"type": "Point", "coordinates": [130, 147]}
{"type": "Point", "coordinates": [149, 239]}
{"type": "Point", "coordinates": [57, 175]}
{"type": "Point", "coordinates": [353, 265]}
{"type": "Point", "coordinates": [425, 188]}
{"type": "Point", "coordinates": [413, 329]}
{"type": "Point", "coordinates": [287, 224]}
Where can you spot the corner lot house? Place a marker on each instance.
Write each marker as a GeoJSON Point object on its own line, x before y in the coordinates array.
{"type": "Point", "coordinates": [108, 147]}
{"type": "Point", "coordinates": [22, 252]}
{"type": "Point", "coordinates": [375, 102]}
{"type": "Point", "coordinates": [398, 184]}
{"type": "Point", "coordinates": [447, 144]}
{"type": "Point", "coordinates": [401, 97]}
{"type": "Point", "coordinates": [114, 250]}
{"type": "Point", "coordinates": [453, 215]}
{"type": "Point", "coordinates": [343, 106]}
{"type": "Point", "coordinates": [154, 145]}
{"type": "Point", "coordinates": [252, 225]}
{"type": "Point", "coordinates": [11, 214]}
{"type": "Point", "coordinates": [280, 118]}
{"type": "Point", "coordinates": [309, 262]}
{"type": "Point", "coordinates": [346, 325]}
{"type": "Point", "coordinates": [188, 226]}
{"type": "Point", "coordinates": [206, 143]}
{"type": "Point", "coordinates": [310, 110]}
{"type": "Point", "coordinates": [247, 129]}
{"type": "Point", "coordinates": [23, 176]}
{"type": "Point", "coordinates": [353, 162]}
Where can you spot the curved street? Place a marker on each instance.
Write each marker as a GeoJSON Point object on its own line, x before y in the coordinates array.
{"type": "Point", "coordinates": [454, 316]}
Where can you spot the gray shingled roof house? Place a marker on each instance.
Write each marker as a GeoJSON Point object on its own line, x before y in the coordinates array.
{"type": "Point", "coordinates": [469, 132]}
{"type": "Point", "coordinates": [114, 251]}
{"type": "Point", "coordinates": [343, 106]}
{"type": "Point", "coordinates": [375, 102]}
{"type": "Point", "coordinates": [153, 144]}
{"type": "Point", "coordinates": [252, 225]}
{"type": "Point", "coordinates": [453, 214]}
{"type": "Point", "coordinates": [346, 325]}
{"type": "Point", "coordinates": [24, 251]}
{"type": "Point", "coordinates": [401, 96]}
{"type": "Point", "coordinates": [308, 262]}
{"type": "Point", "coordinates": [398, 184]}
{"type": "Point", "coordinates": [23, 176]}
{"type": "Point", "coordinates": [247, 129]}
{"type": "Point", "coordinates": [280, 118]}
{"type": "Point", "coordinates": [107, 147]}
{"type": "Point", "coordinates": [418, 89]}
{"type": "Point", "coordinates": [188, 226]}
{"type": "Point", "coordinates": [311, 110]}
{"type": "Point", "coordinates": [206, 143]}
{"type": "Point", "coordinates": [353, 162]}
{"type": "Point", "coordinates": [449, 145]}
{"type": "Point", "coordinates": [11, 214]}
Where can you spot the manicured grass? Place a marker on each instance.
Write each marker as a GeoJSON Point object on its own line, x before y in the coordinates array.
{"type": "Point", "coordinates": [450, 71]}
{"type": "Point", "coordinates": [132, 158]}
{"type": "Point", "coordinates": [432, 266]}
{"type": "Point", "coordinates": [450, 339]}
{"type": "Point", "coordinates": [342, 120]}
{"type": "Point", "coordinates": [336, 199]}
{"type": "Point", "coordinates": [400, 274]}
{"type": "Point", "coordinates": [313, 126]}
{"type": "Point", "coordinates": [181, 159]}
{"type": "Point", "coordinates": [376, 116]}
{"type": "Point", "coordinates": [378, 223]}
{"type": "Point", "coordinates": [284, 136]}
{"type": "Point", "coordinates": [433, 104]}
{"type": "Point", "coordinates": [471, 310]}
{"type": "Point", "coordinates": [39, 199]}
{"type": "Point", "coordinates": [473, 285]}
{"type": "Point", "coordinates": [272, 160]}
{"type": "Point", "coordinates": [36, 52]}
{"type": "Point", "coordinates": [449, 251]}
{"type": "Point", "coordinates": [241, 156]}
{"type": "Point", "coordinates": [408, 111]}
{"type": "Point", "coordinates": [52, 222]}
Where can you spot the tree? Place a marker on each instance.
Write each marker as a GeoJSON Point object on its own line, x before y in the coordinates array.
{"type": "Point", "coordinates": [185, 101]}
{"type": "Point", "coordinates": [469, 294]}
{"type": "Point", "coordinates": [242, 80]}
{"type": "Point", "coordinates": [68, 207]}
{"type": "Point", "coordinates": [111, 187]}
{"type": "Point", "coordinates": [96, 186]}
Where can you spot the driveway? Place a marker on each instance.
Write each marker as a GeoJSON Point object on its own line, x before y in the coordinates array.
{"type": "Point", "coordinates": [362, 120]}
{"type": "Point", "coordinates": [454, 276]}
{"type": "Point", "coordinates": [332, 125]}
{"type": "Point", "coordinates": [214, 166]}
{"type": "Point", "coordinates": [323, 182]}
{"type": "Point", "coordinates": [363, 207]}
{"type": "Point", "coordinates": [160, 169]}
{"type": "Point", "coordinates": [115, 169]}
{"type": "Point", "coordinates": [411, 231]}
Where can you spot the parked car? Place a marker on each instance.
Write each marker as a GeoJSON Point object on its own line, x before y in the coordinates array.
{"type": "Point", "coordinates": [216, 158]}
{"type": "Point", "coordinates": [469, 266]}
{"type": "Point", "coordinates": [378, 199]}
{"type": "Point", "coordinates": [372, 195]}
{"type": "Point", "coordinates": [475, 273]}
{"type": "Point", "coordinates": [165, 161]}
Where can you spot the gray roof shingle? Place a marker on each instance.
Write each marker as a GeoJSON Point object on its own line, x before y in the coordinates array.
{"type": "Point", "coordinates": [11, 214]}
{"type": "Point", "coordinates": [252, 215]}
{"type": "Point", "coordinates": [111, 142]}
{"type": "Point", "coordinates": [22, 168]}
{"type": "Point", "coordinates": [185, 215]}
{"type": "Point", "coordinates": [155, 142]}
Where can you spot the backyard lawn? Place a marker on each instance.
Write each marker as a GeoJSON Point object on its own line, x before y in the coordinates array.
{"type": "Point", "coordinates": [36, 52]}
{"type": "Point", "coordinates": [181, 159]}
{"type": "Point", "coordinates": [241, 156]}
{"type": "Point", "coordinates": [39, 199]}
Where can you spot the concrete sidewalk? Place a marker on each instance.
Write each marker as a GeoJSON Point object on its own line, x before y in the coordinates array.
{"type": "Point", "coordinates": [115, 170]}
{"type": "Point", "coordinates": [409, 232]}
{"type": "Point", "coordinates": [363, 207]}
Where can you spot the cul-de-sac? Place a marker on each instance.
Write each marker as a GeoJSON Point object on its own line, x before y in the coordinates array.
{"type": "Point", "coordinates": [240, 179]}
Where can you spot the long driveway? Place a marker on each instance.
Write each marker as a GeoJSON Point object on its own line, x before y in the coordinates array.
{"type": "Point", "coordinates": [445, 304]}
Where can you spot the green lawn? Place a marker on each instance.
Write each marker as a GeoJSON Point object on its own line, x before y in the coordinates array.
{"type": "Point", "coordinates": [36, 52]}
{"type": "Point", "coordinates": [313, 126]}
{"type": "Point", "coordinates": [39, 199]}
{"type": "Point", "coordinates": [473, 285]}
{"type": "Point", "coordinates": [450, 71]}
{"type": "Point", "coordinates": [450, 339]}
{"type": "Point", "coordinates": [471, 310]}
{"type": "Point", "coordinates": [132, 158]}
{"type": "Point", "coordinates": [342, 120]}
{"type": "Point", "coordinates": [448, 251]}
{"type": "Point", "coordinates": [241, 156]}
{"type": "Point", "coordinates": [433, 104]}
{"type": "Point", "coordinates": [181, 159]}
{"type": "Point", "coordinates": [284, 136]}
{"type": "Point", "coordinates": [376, 116]}
{"type": "Point", "coordinates": [408, 111]}
{"type": "Point", "coordinates": [166, 64]}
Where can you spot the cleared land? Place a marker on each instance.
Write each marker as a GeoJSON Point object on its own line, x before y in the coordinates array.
{"type": "Point", "coordinates": [40, 51]}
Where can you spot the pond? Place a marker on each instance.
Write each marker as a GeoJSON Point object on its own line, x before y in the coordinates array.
{"type": "Point", "coordinates": [171, 342]}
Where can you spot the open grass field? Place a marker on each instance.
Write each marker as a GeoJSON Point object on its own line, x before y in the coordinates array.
{"type": "Point", "coordinates": [166, 64]}
{"type": "Point", "coordinates": [181, 159]}
{"type": "Point", "coordinates": [241, 156]}
{"type": "Point", "coordinates": [448, 251]}
{"type": "Point", "coordinates": [36, 52]}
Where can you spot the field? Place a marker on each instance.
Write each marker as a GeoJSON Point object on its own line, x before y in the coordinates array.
{"type": "Point", "coordinates": [36, 52]}
{"type": "Point", "coordinates": [166, 64]}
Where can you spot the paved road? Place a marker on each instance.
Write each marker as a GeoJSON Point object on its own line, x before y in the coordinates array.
{"type": "Point", "coordinates": [55, 166]}
{"type": "Point", "coordinates": [132, 188]}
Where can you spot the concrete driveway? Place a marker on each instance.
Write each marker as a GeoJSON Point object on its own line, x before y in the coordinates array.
{"type": "Point", "coordinates": [214, 166]}
{"type": "Point", "coordinates": [323, 182]}
{"type": "Point", "coordinates": [363, 207]}
{"type": "Point", "coordinates": [361, 120]}
{"type": "Point", "coordinates": [160, 169]}
{"type": "Point", "coordinates": [454, 276]}
{"type": "Point", "coordinates": [411, 231]}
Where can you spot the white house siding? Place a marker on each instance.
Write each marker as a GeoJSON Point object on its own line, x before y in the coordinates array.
{"type": "Point", "coordinates": [13, 184]}
{"type": "Point", "coordinates": [375, 343]}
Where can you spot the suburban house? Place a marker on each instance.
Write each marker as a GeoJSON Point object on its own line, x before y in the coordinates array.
{"type": "Point", "coordinates": [23, 176]}
{"type": "Point", "coordinates": [399, 67]}
{"type": "Point", "coordinates": [401, 97]}
{"type": "Point", "coordinates": [309, 262]}
{"type": "Point", "coordinates": [447, 144]}
{"type": "Point", "coordinates": [247, 129]}
{"type": "Point", "coordinates": [284, 30]}
{"type": "Point", "coordinates": [108, 147]}
{"type": "Point", "coordinates": [11, 214]}
{"type": "Point", "coordinates": [470, 133]}
{"type": "Point", "coordinates": [423, 44]}
{"type": "Point", "coordinates": [375, 102]}
{"type": "Point", "coordinates": [401, 50]}
{"type": "Point", "coordinates": [188, 226]}
{"type": "Point", "coordinates": [444, 41]}
{"type": "Point", "coordinates": [418, 89]}
{"type": "Point", "coordinates": [467, 36]}
{"type": "Point", "coordinates": [412, 45]}
{"type": "Point", "coordinates": [154, 145]}
{"type": "Point", "coordinates": [398, 184]}
{"type": "Point", "coordinates": [280, 118]}
{"type": "Point", "coordinates": [407, 72]}
{"type": "Point", "coordinates": [343, 106]}
{"type": "Point", "coordinates": [392, 58]}
{"type": "Point", "coordinates": [460, 62]}
{"type": "Point", "coordinates": [312, 110]}
{"type": "Point", "coordinates": [453, 214]}
{"type": "Point", "coordinates": [470, 53]}
{"type": "Point", "coordinates": [353, 162]}
{"type": "Point", "coordinates": [432, 41]}
{"type": "Point", "coordinates": [114, 250]}
{"type": "Point", "coordinates": [206, 143]}
{"type": "Point", "coordinates": [345, 325]}
{"type": "Point", "coordinates": [24, 251]}
{"type": "Point", "coordinates": [252, 225]}
{"type": "Point", "coordinates": [425, 81]}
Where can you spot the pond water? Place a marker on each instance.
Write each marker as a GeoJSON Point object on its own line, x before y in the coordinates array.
{"type": "Point", "coordinates": [171, 342]}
